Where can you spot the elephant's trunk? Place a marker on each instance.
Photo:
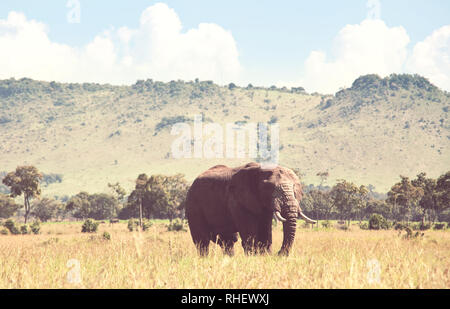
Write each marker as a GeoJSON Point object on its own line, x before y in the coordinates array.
{"type": "Point", "coordinates": [286, 203]}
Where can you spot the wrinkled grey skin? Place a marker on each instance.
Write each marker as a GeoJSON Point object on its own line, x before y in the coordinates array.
{"type": "Point", "coordinates": [224, 202]}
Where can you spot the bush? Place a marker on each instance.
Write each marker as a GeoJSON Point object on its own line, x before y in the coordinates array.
{"type": "Point", "coordinates": [326, 224]}
{"type": "Point", "coordinates": [12, 227]}
{"type": "Point", "coordinates": [89, 226]}
{"type": "Point", "coordinates": [439, 226]}
{"type": "Point", "coordinates": [106, 236]}
{"type": "Point", "coordinates": [400, 226]}
{"type": "Point", "coordinates": [378, 222]}
{"type": "Point", "coordinates": [36, 227]}
{"type": "Point", "coordinates": [146, 224]}
{"type": "Point", "coordinates": [133, 225]}
{"type": "Point", "coordinates": [420, 226]}
{"type": "Point", "coordinates": [176, 225]}
{"type": "Point", "coordinates": [24, 229]}
{"type": "Point", "coordinates": [4, 231]}
{"type": "Point", "coordinates": [364, 226]}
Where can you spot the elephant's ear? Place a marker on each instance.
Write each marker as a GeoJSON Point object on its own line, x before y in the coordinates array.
{"type": "Point", "coordinates": [244, 189]}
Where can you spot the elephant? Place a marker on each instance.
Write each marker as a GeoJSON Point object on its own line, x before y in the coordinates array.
{"type": "Point", "coordinates": [225, 202]}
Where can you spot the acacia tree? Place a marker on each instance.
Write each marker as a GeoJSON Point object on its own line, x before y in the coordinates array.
{"type": "Point", "coordinates": [79, 205]}
{"type": "Point", "coordinates": [24, 180]}
{"type": "Point", "coordinates": [7, 206]}
{"type": "Point", "coordinates": [349, 198]}
{"type": "Point", "coordinates": [118, 191]}
{"type": "Point", "coordinates": [322, 203]}
{"type": "Point", "coordinates": [158, 195]}
{"type": "Point", "coordinates": [46, 209]}
{"type": "Point", "coordinates": [140, 190]}
{"type": "Point", "coordinates": [428, 201]}
{"type": "Point", "coordinates": [403, 197]}
{"type": "Point", "coordinates": [443, 193]}
{"type": "Point", "coordinates": [99, 206]}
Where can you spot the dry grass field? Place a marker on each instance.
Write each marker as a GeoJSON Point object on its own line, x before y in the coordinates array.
{"type": "Point", "coordinates": [63, 257]}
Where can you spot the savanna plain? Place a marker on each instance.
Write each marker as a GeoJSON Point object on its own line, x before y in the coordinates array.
{"type": "Point", "coordinates": [63, 257]}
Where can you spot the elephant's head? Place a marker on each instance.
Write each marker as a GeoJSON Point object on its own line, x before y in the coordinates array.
{"type": "Point", "coordinates": [271, 191]}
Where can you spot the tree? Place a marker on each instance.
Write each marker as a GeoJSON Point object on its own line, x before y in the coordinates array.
{"type": "Point", "coordinates": [7, 206]}
{"type": "Point", "coordinates": [167, 195]}
{"type": "Point", "coordinates": [140, 190]}
{"type": "Point", "coordinates": [443, 193]}
{"type": "Point", "coordinates": [79, 205]}
{"type": "Point", "coordinates": [349, 198]}
{"type": "Point", "coordinates": [96, 206]}
{"type": "Point", "coordinates": [118, 191]}
{"type": "Point", "coordinates": [323, 177]}
{"type": "Point", "coordinates": [322, 203]}
{"type": "Point", "coordinates": [46, 209]}
{"type": "Point", "coordinates": [104, 206]}
{"type": "Point", "coordinates": [158, 196]}
{"type": "Point", "coordinates": [403, 197]}
{"type": "Point", "coordinates": [25, 180]}
{"type": "Point", "coordinates": [378, 207]}
{"type": "Point", "coordinates": [428, 202]}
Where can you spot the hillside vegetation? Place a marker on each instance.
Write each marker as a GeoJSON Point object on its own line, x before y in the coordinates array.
{"type": "Point", "coordinates": [93, 134]}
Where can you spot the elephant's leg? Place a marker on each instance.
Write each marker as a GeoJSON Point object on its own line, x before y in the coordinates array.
{"type": "Point", "coordinates": [248, 235]}
{"type": "Point", "coordinates": [200, 234]}
{"type": "Point", "coordinates": [246, 224]}
{"type": "Point", "coordinates": [201, 241]}
{"type": "Point", "coordinates": [202, 246]}
{"type": "Point", "coordinates": [264, 237]}
{"type": "Point", "coordinates": [226, 242]}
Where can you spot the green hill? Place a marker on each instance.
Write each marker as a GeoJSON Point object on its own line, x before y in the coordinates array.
{"type": "Point", "coordinates": [94, 134]}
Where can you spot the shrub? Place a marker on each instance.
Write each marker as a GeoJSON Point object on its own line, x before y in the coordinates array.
{"type": "Point", "coordinates": [133, 225]}
{"type": "Point", "coordinates": [378, 222]}
{"type": "Point", "coordinates": [440, 226]}
{"type": "Point", "coordinates": [89, 226]}
{"type": "Point", "coordinates": [12, 227]}
{"type": "Point", "coordinates": [24, 229]}
{"type": "Point", "coordinates": [146, 224]}
{"type": "Point", "coordinates": [176, 225]}
{"type": "Point", "coordinates": [326, 224]}
{"type": "Point", "coordinates": [106, 236]}
{"type": "Point", "coordinates": [364, 226]}
{"type": "Point", "coordinates": [419, 226]}
{"type": "Point", "coordinates": [400, 226]}
{"type": "Point", "coordinates": [4, 231]}
{"type": "Point", "coordinates": [36, 227]}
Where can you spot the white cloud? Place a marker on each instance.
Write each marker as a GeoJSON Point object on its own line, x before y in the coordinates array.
{"type": "Point", "coordinates": [157, 49]}
{"type": "Point", "coordinates": [431, 58]}
{"type": "Point", "coordinates": [372, 47]}
{"type": "Point", "coordinates": [369, 47]}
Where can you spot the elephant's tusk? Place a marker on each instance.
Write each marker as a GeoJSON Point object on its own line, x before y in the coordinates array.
{"type": "Point", "coordinates": [304, 217]}
{"type": "Point", "coordinates": [279, 217]}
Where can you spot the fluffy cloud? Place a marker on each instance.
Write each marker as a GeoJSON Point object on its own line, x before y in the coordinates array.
{"type": "Point", "coordinates": [372, 47]}
{"type": "Point", "coordinates": [369, 47]}
{"type": "Point", "coordinates": [431, 58]}
{"type": "Point", "coordinates": [157, 49]}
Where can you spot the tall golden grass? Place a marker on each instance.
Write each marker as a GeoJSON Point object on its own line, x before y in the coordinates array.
{"type": "Point", "coordinates": [161, 259]}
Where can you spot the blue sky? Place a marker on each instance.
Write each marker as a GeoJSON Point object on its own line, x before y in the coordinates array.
{"type": "Point", "coordinates": [271, 42]}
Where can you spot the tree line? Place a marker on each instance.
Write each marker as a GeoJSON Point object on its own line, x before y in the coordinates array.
{"type": "Point", "coordinates": [419, 199]}
{"type": "Point", "coordinates": [163, 197]}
